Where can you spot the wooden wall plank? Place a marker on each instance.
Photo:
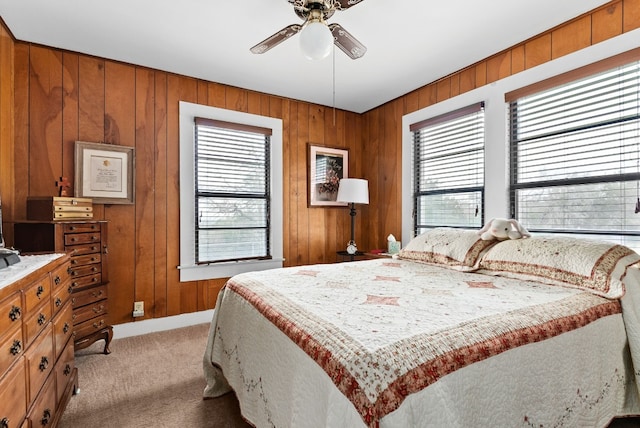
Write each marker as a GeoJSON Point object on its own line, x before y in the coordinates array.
{"type": "Point", "coordinates": [45, 112]}
{"type": "Point", "coordinates": [144, 275]}
{"type": "Point", "coordinates": [181, 297]}
{"type": "Point", "coordinates": [607, 22]}
{"type": "Point", "coordinates": [7, 147]}
{"type": "Point", "coordinates": [537, 51]}
{"type": "Point", "coordinates": [499, 67]}
{"type": "Point", "coordinates": [571, 37]}
{"type": "Point", "coordinates": [70, 124]}
{"type": "Point", "coordinates": [160, 195]}
{"type": "Point", "coordinates": [20, 134]}
{"type": "Point", "coordinates": [630, 15]}
{"type": "Point", "coordinates": [120, 130]}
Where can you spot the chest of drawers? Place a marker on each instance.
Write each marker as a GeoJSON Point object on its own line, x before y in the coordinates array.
{"type": "Point", "coordinates": [86, 243]}
{"type": "Point", "coordinates": [37, 367]}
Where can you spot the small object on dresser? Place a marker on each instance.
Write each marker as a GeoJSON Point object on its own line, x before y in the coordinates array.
{"type": "Point", "coordinates": [47, 208]}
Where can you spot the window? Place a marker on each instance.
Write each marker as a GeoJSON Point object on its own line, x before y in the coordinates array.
{"type": "Point", "coordinates": [575, 156]}
{"type": "Point", "coordinates": [230, 193]}
{"type": "Point", "coordinates": [448, 167]}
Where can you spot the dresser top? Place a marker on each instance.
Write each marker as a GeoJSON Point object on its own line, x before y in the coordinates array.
{"type": "Point", "coordinates": [26, 265]}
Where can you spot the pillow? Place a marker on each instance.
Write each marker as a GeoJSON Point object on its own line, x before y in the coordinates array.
{"type": "Point", "coordinates": [595, 266]}
{"type": "Point", "coordinates": [455, 248]}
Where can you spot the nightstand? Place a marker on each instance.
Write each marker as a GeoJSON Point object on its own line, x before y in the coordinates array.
{"type": "Point", "coordinates": [343, 256]}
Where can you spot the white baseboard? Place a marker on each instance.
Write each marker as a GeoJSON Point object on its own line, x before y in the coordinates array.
{"type": "Point", "coordinates": [160, 324]}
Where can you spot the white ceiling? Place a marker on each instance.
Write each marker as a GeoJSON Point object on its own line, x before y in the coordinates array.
{"type": "Point", "coordinates": [410, 42]}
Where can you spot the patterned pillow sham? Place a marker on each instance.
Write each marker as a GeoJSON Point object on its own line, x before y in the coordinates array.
{"type": "Point", "coordinates": [457, 249]}
{"type": "Point", "coordinates": [595, 266]}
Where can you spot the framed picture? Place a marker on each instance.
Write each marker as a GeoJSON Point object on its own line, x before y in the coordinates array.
{"type": "Point", "coordinates": [327, 167]}
{"type": "Point", "coordinates": [104, 172]}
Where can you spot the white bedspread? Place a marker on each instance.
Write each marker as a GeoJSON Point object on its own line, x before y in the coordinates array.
{"type": "Point", "coordinates": [399, 344]}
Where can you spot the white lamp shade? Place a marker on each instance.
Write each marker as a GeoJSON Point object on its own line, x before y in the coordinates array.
{"type": "Point", "coordinates": [353, 190]}
{"type": "Point", "coordinates": [316, 40]}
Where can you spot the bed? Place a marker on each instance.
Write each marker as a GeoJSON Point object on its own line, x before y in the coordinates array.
{"type": "Point", "coordinates": [453, 332]}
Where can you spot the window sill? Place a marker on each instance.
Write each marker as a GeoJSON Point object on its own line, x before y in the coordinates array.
{"type": "Point", "coordinates": [226, 269]}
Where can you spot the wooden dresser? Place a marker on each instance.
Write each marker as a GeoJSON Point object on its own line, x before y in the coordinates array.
{"type": "Point", "coordinates": [37, 369]}
{"type": "Point", "coordinates": [86, 242]}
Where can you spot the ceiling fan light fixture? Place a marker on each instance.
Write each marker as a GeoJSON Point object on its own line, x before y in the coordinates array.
{"type": "Point", "coordinates": [316, 40]}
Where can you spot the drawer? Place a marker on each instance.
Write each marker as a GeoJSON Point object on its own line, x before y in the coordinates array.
{"type": "Point", "coordinates": [86, 259]}
{"type": "Point", "coordinates": [62, 328]}
{"type": "Point", "coordinates": [12, 396]}
{"type": "Point", "coordinates": [37, 293]}
{"type": "Point", "coordinates": [87, 280]}
{"type": "Point", "coordinates": [78, 271]}
{"type": "Point", "coordinates": [40, 361]}
{"type": "Point", "coordinates": [64, 369]}
{"type": "Point", "coordinates": [88, 296]}
{"type": "Point", "coordinates": [89, 327]}
{"type": "Point", "coordinates": [81, 227]}
{"type": "Point", "coordinates": [36, 321]}
{"type": "Point", "coordinates": [81, 238]}
{"type": "Point", "coordinates": [61, 276]}
{"type": "Point", "coordinates": [60, 297]}
{"type": "Point", "coordinates": [43, 410]}
{"type": "Point", "coordinates": [85, 313]}
{"type": "Point", "coordinates": [10, 313]}
{"type": "Point", "coordinates": [82, 249]}
{"type": "Point", "coordinates": [11, 348]}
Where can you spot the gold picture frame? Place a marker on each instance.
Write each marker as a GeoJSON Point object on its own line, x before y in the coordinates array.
{"type": "Point", "coordinates": [104, 172]}
{"type": "Point", "coordinates": [327, 166]}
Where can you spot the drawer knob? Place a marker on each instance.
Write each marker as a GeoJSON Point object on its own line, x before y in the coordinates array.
{"type": "Point", "coordinates": [98, 324]}
{"type": "Point", "coordinates": [44, 363]}
{"type": "Point", "coordinates": [97, 293]}
{"type": "Point", "coordinates": [15, 313]}
{"type": "Point", "coordinates": [41, 319]}
{"type": "Point", "coordinates": [70, 289]}
{"type": "Point", "coordinates": [39, 291]}
{"type": "Point", "coordinates": [98, 309]}
{"type": "Point", "coordinates": [65, 329]}
{"type": "Point", "coordinates": [4, 423]}
{"type": "Point", "coordinates": [69, 270]}
{"type": "Point", "coordinates": [16, 348]}
{"type": "Point", "coordinates": [67, 370]}
{"type": "Point", "coordinates": [58, 302]}
{"type": "Point", "coordinates": [57, 280]}
{"type": "Point", "coordinates": [46, 417]}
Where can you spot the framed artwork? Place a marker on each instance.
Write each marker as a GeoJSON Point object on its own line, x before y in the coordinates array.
{"type": "Point", "coordinates": [327, 167]}
{"type": "Point", "coordinates": [104, 172]}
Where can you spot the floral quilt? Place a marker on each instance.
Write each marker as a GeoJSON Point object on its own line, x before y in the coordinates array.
{"type": "Point", "coordinates": [385, 329]}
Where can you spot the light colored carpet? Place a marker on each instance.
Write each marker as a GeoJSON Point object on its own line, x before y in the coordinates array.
{"type": "Point", "coordinates": [154, 380]}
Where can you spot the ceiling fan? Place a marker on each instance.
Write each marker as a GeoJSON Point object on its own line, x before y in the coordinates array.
{"type": "Point", "coordinates": [316, 36]}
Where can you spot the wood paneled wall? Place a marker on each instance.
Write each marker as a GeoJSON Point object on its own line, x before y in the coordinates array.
{"type": "Point", "coordinates": [382, 125]}
{"type": "Point", "coordinates": [54, 98]}
{"type": "Point", "coordinates": [50, 98]}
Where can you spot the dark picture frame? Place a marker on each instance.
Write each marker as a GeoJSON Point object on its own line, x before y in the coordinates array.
{"type": "Point", "coordinates": [327, 166]}
{"type": "Point", "coordinates": [104, 172]}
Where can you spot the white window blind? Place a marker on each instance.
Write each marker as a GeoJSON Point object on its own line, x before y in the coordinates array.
{"type": "Point", "coordinates": [231, 191]}
{"type": "Point", "coordinates": [575, 157]}
{"type": "Point", "coordinates": [448, 167]}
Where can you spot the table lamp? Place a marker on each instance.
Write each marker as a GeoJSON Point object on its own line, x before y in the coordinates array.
{"type": "Point", "coordinates": [353, 191]}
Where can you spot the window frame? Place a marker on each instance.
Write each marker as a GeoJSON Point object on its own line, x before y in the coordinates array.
{"type": "Point", "coordinates": [190, 270]}
{"type": "Point", "coordinates": [443, 119]}
{"type": "Point", "coordinates": [575, 76]}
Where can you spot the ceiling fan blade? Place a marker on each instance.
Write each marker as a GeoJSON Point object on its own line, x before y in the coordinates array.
{"type": "Point", "coordinates": [346, 42]}
{"type": "Point", "coordinates": [276, 39]}
{"type": "Point", "coordinates": [345, 4]}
